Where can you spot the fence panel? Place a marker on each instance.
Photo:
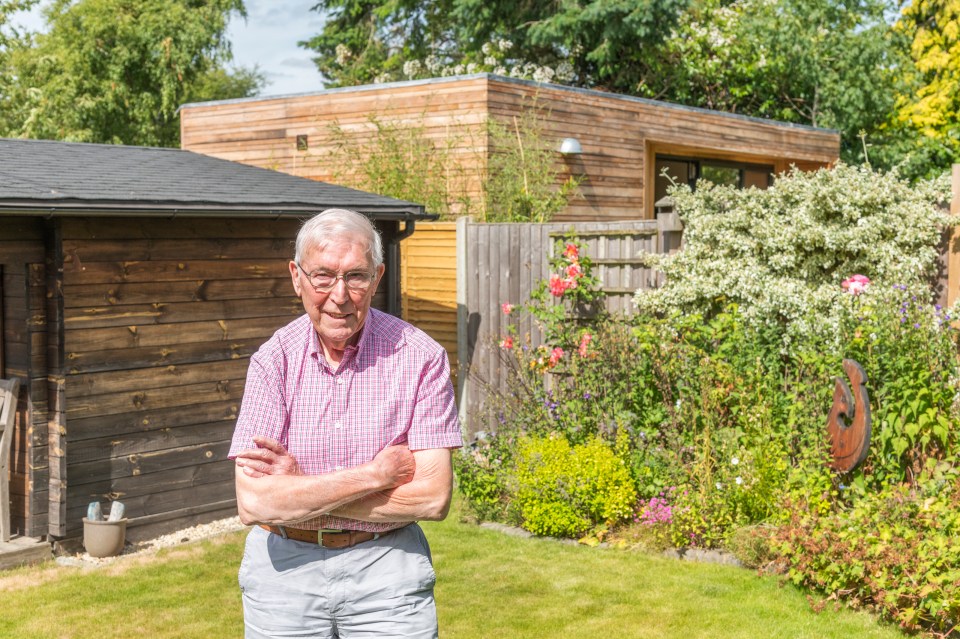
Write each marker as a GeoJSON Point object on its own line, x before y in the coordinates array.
{"type": "Point", "coordinates": [500, 263]}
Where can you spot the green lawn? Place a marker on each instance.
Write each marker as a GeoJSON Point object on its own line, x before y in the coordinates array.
{"type": "Point", "coordinates": [489, 585]}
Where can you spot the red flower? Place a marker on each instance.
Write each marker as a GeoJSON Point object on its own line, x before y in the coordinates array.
{"type": "Point", "coordinates": [506, 343]}
{"type": "Point", "coordinates": [571, 252]}
{"type": "Point", "coordinates": [575, 271]}
{"type": "Point", "coordinates": [507, 308]}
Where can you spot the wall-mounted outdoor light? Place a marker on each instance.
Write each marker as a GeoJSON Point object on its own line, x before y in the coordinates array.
{"type": "Point", "coordinates": [571, 146]}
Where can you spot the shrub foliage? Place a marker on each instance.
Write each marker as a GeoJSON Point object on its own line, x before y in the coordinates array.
{"type": "Point", "coordinates": [712, 399]}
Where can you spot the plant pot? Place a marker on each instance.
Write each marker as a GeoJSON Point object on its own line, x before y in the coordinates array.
{"type": "Point", "coordinates": [104, 538]}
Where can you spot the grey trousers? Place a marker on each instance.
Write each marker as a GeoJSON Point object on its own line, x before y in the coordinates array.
{"type": "Point", "coordinates": [379, 588]}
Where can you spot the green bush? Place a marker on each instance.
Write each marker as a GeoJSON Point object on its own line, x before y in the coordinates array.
{"type": "Point", "coordinates": [895, 550]}
{"type": "Point", "coordinates": [565, 491]}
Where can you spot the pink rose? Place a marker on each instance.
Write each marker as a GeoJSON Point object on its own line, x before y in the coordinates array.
{"type": "Point", "coordinates": [506, 343]}
{"type": "Point", "coordinates": [584, 343]}
{"type": "Point", "coordinates": [557, 285]}
{"type": "Point", "coordinates": [571, 252]}
{"type": "Point", "coordinates": [574, 271]}
{"type": "Point", "coordinates": [507, 308]}
{"type": "Point", "coordinates": [855, 284]}
{"type": "Point", "coordinates": [555, 356]}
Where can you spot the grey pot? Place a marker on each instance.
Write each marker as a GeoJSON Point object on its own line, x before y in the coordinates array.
{"type": "Point", "coordinates": [104, 538]}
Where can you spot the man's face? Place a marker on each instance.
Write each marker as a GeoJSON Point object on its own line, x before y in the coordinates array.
{"type": "Point", "coordinates": [339, 313]}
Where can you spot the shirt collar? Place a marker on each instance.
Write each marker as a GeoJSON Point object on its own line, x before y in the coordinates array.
{"type": "Point", "coordinates": [351, 352]}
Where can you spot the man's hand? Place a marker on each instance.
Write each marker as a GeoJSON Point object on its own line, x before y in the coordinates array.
{"type": "Point", "coordinates": [269, 458]}
{"type": "Point", "coordinates": [396, 465]}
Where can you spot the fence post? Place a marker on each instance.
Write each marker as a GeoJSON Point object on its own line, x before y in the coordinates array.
{"type": "Point", "coordinates": [463, 316]}
{"type": "Point", "coordinates": [953, 247]}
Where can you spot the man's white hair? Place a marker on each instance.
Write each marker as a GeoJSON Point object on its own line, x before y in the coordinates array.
{"type": "Point", "coordinates": [340, 225]}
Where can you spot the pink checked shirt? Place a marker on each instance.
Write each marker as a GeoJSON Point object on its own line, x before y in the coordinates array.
{"type": "Point", "coordinates": [392, 387]}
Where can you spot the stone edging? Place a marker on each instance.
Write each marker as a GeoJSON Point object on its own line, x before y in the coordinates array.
{"type": "Point", "coordinates": [683, 554]}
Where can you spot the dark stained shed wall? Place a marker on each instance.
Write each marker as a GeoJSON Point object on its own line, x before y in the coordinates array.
{"type": "Point", "coordinates": [159, 319]}
{"type": "Point", "coordinates": [22, 257]}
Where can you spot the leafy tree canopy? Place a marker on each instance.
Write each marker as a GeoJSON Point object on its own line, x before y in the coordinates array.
{"type": "Point", "coordinates": [604, 41]}
{"type": "Point", "coordinates": [925, 129]}
{"type": "Point", "coordinates": [115, 71]}
{"type": "Point", "coordinates": [831, 63]}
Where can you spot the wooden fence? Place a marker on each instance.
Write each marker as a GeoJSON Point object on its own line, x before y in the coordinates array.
{"type": "Point", "coordinates": [500, 263]}
{"type": "Point", "coordinates": [428, 283]}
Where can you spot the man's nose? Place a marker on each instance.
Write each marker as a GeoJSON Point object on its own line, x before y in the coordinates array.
{"type": "Point", "coordinates": [339, 293]}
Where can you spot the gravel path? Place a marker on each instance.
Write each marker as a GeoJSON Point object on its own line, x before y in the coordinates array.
{"type": "Point", "coordinates": [151, 546]}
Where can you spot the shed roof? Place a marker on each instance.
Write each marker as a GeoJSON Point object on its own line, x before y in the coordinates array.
{"type": "Point", "coordinates": [64, 178]}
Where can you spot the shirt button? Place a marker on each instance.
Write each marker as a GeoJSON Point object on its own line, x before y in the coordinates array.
{"type": "Point", "coordinates": [339, 468]}
{"type": "Point", "coordinates": [340, 381]}
{"type": "Point", "coordinates": [338, 425]}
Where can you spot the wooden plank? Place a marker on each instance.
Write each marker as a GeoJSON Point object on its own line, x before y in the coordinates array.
{"type": "Point", "coordinates": [132, 423]}
{"type": "Point", "coordinates": [159, 356]}
{"type": "Point", "coordinates": [112, 294]}
{"type": "Point", "coordinates": [193, 228]}
{"type": "Point", "coordinates": [183, 395]}
{"type": "Point", "coordinates": [119, 337]}
{"type": "Point", "coordinates": [160, 502]}
{"type": "Point", "coordinates": [175, 270]}
{"type": "Point", "coordinates": [110, 382]}
{"type": "Point", "coordinates": [178, 312]}
{"type": "Point", "coordinates": [79, 251]}
{"type": "Point", "coordinates": [131, 486]}
{"type": "Point", "coordinates": [143, 464]}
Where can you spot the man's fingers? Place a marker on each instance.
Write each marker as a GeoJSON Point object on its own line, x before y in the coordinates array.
{"type": "Point", "coordinates": [270, 444]}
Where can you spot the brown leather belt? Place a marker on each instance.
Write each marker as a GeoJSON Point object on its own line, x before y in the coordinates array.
{"type": "Point", "coordinates": [335, 539]}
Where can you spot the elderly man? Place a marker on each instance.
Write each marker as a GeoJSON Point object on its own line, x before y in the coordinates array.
{"type": "Point", "coordinates": [343, 443]}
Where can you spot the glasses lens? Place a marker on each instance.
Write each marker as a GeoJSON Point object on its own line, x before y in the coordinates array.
{"type": "Point", "coordinates": [357, 281]}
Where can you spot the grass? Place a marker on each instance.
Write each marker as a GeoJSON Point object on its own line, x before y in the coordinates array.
{"type": "Point", "coordinates": [489, 585]}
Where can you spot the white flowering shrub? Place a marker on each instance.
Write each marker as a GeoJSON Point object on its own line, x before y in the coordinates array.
{"type": "Point", "coordinates": [494, 58]}
{"type": "Point", "coordinates": [781, 254]}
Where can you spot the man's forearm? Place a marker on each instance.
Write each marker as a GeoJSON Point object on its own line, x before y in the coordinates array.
{"type": "Point", "coordinates": [288, 499]}
{"type": "Point", "coordinates": [426, 498]}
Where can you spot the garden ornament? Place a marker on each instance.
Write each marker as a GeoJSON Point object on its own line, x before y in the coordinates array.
{"type": "Point", "coordinates": [848, 423]}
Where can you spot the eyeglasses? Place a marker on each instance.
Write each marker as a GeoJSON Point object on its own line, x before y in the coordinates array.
{"type": "Point", "coordinates": [322, 281]}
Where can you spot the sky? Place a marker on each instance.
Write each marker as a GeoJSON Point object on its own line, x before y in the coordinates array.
{"type": "Point", "coordinates": [268, 39]}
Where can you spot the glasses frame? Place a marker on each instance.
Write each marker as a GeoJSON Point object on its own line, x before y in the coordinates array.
{"type": "Point", "coordinates": [336, 277]}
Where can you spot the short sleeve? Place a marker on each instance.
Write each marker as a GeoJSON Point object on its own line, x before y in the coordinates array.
{"type": "Point", "coordinates": [434, 422]}
{"type": "Point", "coordinates": [263, 411]}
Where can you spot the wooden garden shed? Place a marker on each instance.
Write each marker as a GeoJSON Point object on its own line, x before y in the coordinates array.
{"type": "Point", "coordinates": [135, 283]}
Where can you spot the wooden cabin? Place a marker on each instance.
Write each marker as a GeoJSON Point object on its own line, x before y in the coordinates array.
{"type": "Point", "coordinates": [135, 283]}
{"type": "Point", "coordinates": [625, 143]}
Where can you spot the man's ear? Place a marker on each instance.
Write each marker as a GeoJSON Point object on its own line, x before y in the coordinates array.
{"type": "Point", "coordinates": [295, 276]}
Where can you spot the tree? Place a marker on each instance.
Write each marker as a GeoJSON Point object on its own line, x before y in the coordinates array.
{"type": "Point", "coordinates": [926, 125]}
{"type": "Point", "coordinates": [116, 71]}
{"type": "Point", "coordinates": [602, 40]}
{"type": "Point", "coordinates": [827, 63]}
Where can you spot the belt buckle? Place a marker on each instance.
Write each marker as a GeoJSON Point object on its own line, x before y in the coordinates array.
{"type": "Point", "coordinates": [331, 531]}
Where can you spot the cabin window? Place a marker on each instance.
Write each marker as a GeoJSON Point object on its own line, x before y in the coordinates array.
{"type": "Point", "coordinates": [689, 170]}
